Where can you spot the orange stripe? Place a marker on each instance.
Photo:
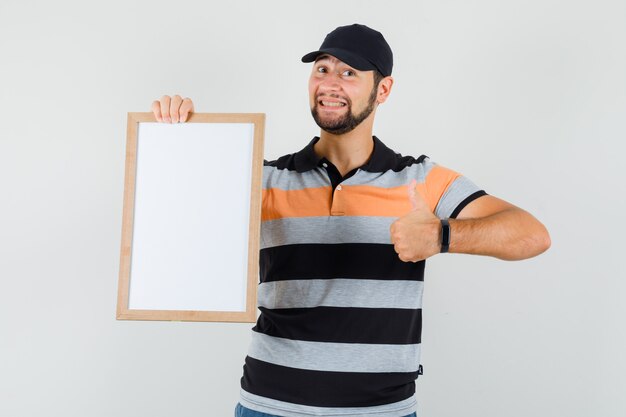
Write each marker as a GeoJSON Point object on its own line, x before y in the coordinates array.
{"type": "Point", "coordinates": [351, 200]}
{"type": "Point", "coordinates": [278, 203]}
{"type": "Point", "coordinates": [438, 180]}
{"type": "Point", "coordinates": [367, 200]}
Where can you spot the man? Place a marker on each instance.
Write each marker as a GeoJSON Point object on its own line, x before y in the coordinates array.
{"type": "Point", "coordinates": [347, 224]}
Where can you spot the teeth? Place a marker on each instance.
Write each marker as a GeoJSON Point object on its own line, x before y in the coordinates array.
{"type": "Point", "coordinates": [332, 104]}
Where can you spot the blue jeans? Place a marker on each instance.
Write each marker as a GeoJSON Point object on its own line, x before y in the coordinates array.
{"type": "Point", "coordinates": [241, 411]}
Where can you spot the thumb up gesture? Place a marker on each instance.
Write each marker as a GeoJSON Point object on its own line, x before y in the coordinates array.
{"type": "Point", "coordinates": [416, 235]}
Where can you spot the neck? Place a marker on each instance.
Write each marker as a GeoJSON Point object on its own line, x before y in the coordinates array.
{"type": "Point", "coordinates": [349, 150]}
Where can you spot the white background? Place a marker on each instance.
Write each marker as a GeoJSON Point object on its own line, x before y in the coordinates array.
{"type": "Point", "coordinates": [526, 98]}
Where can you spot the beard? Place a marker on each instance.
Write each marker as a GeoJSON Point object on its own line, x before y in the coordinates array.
{"type": "Point", "coordinates": [348, 121]}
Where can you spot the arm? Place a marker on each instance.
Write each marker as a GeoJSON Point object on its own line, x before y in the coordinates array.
{"type": "Point", "coordinates": [493, 227]}
{"type": "Point", "coordinates": [487, 226]}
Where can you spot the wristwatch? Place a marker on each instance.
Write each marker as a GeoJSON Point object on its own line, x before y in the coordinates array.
{"type": "Point", "coordinates": [445, 235]}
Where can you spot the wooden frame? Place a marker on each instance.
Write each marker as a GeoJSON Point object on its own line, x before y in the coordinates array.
{"type": "Point", "coordinates": [141, 218]}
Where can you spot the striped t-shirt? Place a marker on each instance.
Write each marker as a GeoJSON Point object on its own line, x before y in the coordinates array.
{"type": "Point", "coordinates": [340, 314]}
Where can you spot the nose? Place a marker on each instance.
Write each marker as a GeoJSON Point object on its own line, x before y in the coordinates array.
{"type": "Point", "coordinates": [331, 82]}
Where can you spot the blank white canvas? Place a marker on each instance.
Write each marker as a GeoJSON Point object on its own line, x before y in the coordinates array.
{"type": "Point", "coordinates": [191, 216]}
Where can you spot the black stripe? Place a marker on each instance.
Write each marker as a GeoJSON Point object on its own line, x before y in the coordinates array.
{"type": "Point", "coordinates": [465, 202]}
{"type": "Point", "coordinates": [326, 389]}
{"type": "Point", "coordinates": [341, 260]}
{"type": "Point", "coordinates": [343, 324]}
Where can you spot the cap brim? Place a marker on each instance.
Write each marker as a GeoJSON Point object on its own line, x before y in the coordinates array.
{"type": "Point", "coordinates": [349, 58]}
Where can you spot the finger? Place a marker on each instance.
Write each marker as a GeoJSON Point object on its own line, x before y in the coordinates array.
{"type": "Point", "coordinates": [412, 192]}
{"type": "Point", "coordinates": [165, 109]}
{"type": "Point", "coordinates": [392, 227]}
{"type": "Point", "coordinates": [186, 109]}
{"type": "Point", "coordinates": [397, 249]}
{"type": "Point", "coordinates": [156, 109]}
{"type": "Point", "coordinates": [416, 199]}
{"type": "Point", "coordinates": [394, 236]}
{"type": "Point", "coordinates": [174, 106]}
{"type": "Point", "coordinates": [404, 257]}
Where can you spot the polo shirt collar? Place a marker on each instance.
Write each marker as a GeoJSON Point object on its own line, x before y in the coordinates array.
{"type": "Point", "coordinates": [382, 158]}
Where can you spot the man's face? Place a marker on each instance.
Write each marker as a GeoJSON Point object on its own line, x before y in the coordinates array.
{"type": "Point", "coordinates": [340, 96]}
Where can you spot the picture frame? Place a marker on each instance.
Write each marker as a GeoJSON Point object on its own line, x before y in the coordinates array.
{"type": "Point", "coordinates": [191, 218]}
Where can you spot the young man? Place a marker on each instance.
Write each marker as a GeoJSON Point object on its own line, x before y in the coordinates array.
{"type": "Point", "coordinates": [347, 224]}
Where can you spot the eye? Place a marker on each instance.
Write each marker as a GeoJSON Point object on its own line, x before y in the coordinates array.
{"type": "Point", "coordinates": [321, 69]}
{"type": "Point", "coordinates": [348, 73]}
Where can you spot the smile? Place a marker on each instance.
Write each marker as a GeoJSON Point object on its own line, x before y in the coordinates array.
{"type": "Point", "coordinates": [332, 104]}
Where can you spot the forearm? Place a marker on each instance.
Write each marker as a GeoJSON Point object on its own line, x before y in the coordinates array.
{"type": "Point", "coordinates": [512, 234]}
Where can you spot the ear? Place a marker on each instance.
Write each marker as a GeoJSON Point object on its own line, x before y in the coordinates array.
{"type": "Point", "coordinates": [384, 88]}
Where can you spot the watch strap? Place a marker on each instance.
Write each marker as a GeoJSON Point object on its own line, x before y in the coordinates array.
{"type": "Point", "coordinates": [445, 235]}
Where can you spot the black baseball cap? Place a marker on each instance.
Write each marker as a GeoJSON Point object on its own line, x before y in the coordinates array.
{"type": "Point", "coordinates": [359, 46]}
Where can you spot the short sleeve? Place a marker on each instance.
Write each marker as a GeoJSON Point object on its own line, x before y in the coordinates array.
{"type": "Point", "coordinates": [448, 190]}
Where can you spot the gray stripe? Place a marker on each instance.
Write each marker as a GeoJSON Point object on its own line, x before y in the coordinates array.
{"type": "Point", "coordinates": [326, 229]}
{"type": "Point", "coordinates": [291, 180]}
{"type": "Point", "coordinates": [459, 190]}
{"type": "Point", "coordinates": [287, 409]}
{"type": "Point", "coordinates": [338, 357]}
{"type": "Point", "coordinates": [364, 293]}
